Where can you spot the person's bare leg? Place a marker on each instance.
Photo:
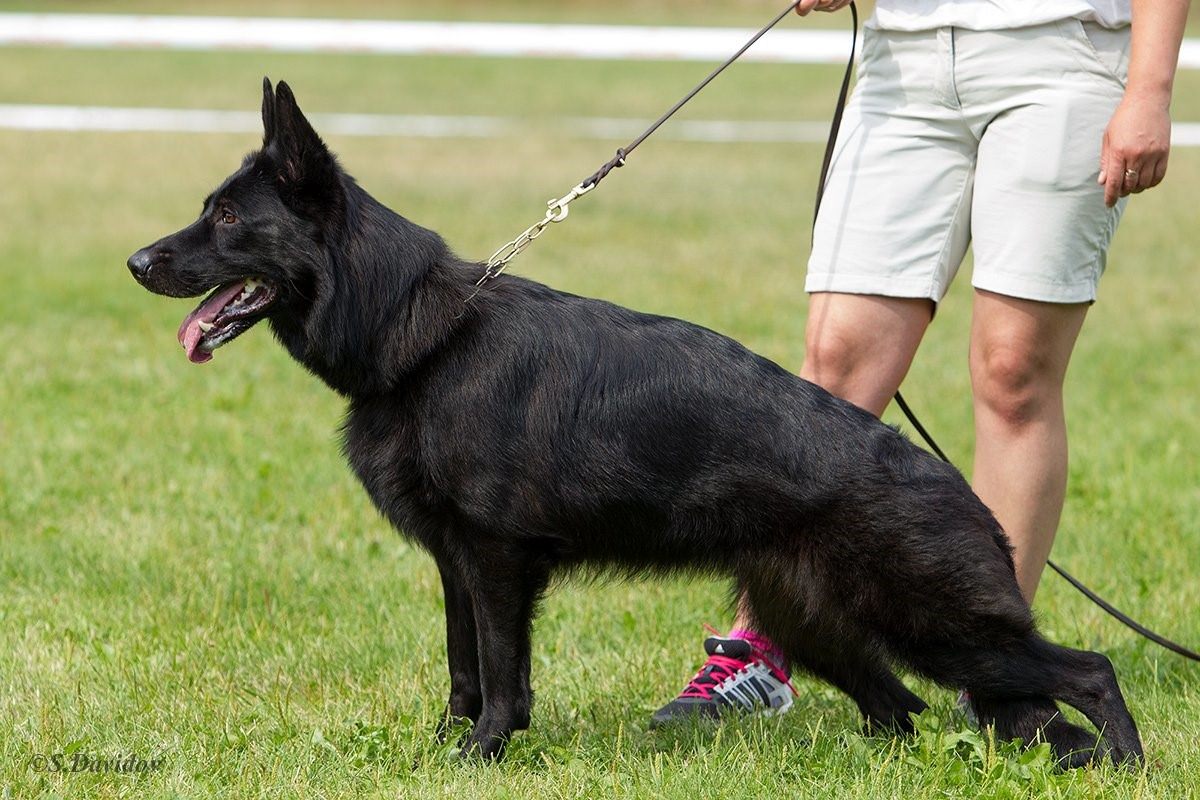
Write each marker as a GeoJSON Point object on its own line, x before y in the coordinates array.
{"type": "Point", "coordinates": [1019, 355]}
{"type": "Point", "coordinates": [859, 347]}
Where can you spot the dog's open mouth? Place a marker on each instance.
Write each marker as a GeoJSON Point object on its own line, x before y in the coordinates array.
{"type": "Point", "coordinates": [229, 311]}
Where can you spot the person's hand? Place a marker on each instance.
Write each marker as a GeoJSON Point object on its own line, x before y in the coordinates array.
{"type": "Point", "coordinates": [805, 6]}
{"type": "Point", "coordinates": [1133, 155]}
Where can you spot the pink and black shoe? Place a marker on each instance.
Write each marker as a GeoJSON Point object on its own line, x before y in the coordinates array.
{"type": "Point", "coordinates": [744, 675]}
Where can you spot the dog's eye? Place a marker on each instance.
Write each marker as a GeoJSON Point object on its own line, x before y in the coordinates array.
{"type": "Point", "coordinates": [228, 218]}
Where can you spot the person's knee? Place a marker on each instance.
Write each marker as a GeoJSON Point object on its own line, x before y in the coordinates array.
{"type": "Point", "coordinates": [831, 361]}
{"type": "Point", "coordinates": [859, 347]}
{"type": "Point", "coordinates": [1014, 386]}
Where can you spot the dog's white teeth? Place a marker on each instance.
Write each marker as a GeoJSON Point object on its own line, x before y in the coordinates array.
{"type": "Point", "coordinates": [248, 287]}
{"type": "Point", "coordinates": [205, 326]}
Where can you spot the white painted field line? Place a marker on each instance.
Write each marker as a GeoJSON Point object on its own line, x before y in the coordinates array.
{"type": "Point", "coordinates": [499, 39]}
{"type": "Point", "coordinates": [96, 118]}
{"type": "Point", "coordinates": [173, 120]}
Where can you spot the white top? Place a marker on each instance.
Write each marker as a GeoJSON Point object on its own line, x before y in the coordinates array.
{"type": "Point", "coordinates": [990, 15]}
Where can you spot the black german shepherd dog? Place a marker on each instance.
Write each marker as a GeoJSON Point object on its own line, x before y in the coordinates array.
{"type": "Point", "coordinates": [524, 431]}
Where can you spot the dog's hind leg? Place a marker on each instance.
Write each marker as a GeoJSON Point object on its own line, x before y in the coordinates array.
{"type": "Point", "coordinates": [1086, 681]}
{"type": "Point", "coordinates": [837, 653]}
{"type": "Point", "coordinates": [886, 704]}
{"type": "Point", "coordinates": [1030, 668]}
{"type": "Point", "coordinates": [505, 587]}
{"type": "Point", "coordinates": [462, 651]}
{"type": "Point", "coordinates": [1040, 717]}
{"type": "Point", "coordinates": [942, 596]}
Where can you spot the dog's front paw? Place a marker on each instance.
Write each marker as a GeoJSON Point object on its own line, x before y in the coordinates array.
{"type": "Point", "coordinates": [483, 746]}
{"type": "Point", "coordinates": [453, 727]}
{"type": "Point", "coordinates": [467, 704]}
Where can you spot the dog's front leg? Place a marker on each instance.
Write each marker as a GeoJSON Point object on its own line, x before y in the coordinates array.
{"type": "Point", "coordinates": [505, 590]}
{"type": "Point", "coordinates": [462, 654]}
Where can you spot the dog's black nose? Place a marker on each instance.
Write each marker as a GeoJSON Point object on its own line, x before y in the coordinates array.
{"type": "Point", "coordinates": [140, 262]}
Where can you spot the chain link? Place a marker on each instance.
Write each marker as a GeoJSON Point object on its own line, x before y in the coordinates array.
{"type": "Point", "coordinates": [556, 211]}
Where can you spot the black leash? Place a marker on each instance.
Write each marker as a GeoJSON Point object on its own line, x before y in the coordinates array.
{"type": "Point", "coordinates": [836, 124]}
{"type": "Point", "coordinates": [618, 160]}
{"type": "Point", "coordinates": [1112, 610]}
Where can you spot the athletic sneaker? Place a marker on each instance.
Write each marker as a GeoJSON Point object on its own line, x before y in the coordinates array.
{"type": "Point", "coordinates": [738, 676]}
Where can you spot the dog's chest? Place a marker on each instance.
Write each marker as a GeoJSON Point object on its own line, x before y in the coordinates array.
{"type": "Point", "coordinates": [382, 445]}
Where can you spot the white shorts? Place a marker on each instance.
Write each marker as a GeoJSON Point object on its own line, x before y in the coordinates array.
{"type": "Point", "coordinates": [955, 136]}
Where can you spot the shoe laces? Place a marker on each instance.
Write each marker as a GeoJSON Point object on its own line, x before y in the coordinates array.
{"type": "Point", "coordinates": [720, 668]}
{"type": "Point", "coordinates": [716, 670]}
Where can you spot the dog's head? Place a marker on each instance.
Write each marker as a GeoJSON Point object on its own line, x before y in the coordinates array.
{"type": "Point", "coordinates": [259, 242]}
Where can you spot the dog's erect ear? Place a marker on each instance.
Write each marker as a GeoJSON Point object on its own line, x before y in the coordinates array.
{"type": "Point", "coordinates": [300, 149]}
{"type": "Point", "coordinates": [306, 172]}
{"type": "Point", "coordinates": [268, 111]}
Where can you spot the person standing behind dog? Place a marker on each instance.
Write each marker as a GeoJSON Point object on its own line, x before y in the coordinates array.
{"type": "Point", "coordinates": [1021, 127]}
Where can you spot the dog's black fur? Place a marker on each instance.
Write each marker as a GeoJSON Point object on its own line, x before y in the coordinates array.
{"type": "Point", "coordinates": [527, 431]}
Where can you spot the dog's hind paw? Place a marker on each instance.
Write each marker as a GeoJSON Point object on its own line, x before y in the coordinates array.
{"type": "Point", "coordinates": [1074, 747]}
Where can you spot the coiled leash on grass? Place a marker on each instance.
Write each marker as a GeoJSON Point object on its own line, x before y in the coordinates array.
{"type": "Point", "coordinates": [558, 209]}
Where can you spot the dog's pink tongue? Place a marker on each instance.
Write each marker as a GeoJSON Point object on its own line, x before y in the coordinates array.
{"type": "Point", "coordinates": [189, 331]}
{"type": "Point", "coordinates": [190, 341]}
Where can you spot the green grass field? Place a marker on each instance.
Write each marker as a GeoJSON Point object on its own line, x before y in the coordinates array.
{"type": "Point", "coordinates": [188, 570]}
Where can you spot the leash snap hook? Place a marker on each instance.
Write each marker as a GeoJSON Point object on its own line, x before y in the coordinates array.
{"type": "Point", "coordinates": [558, 209]}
